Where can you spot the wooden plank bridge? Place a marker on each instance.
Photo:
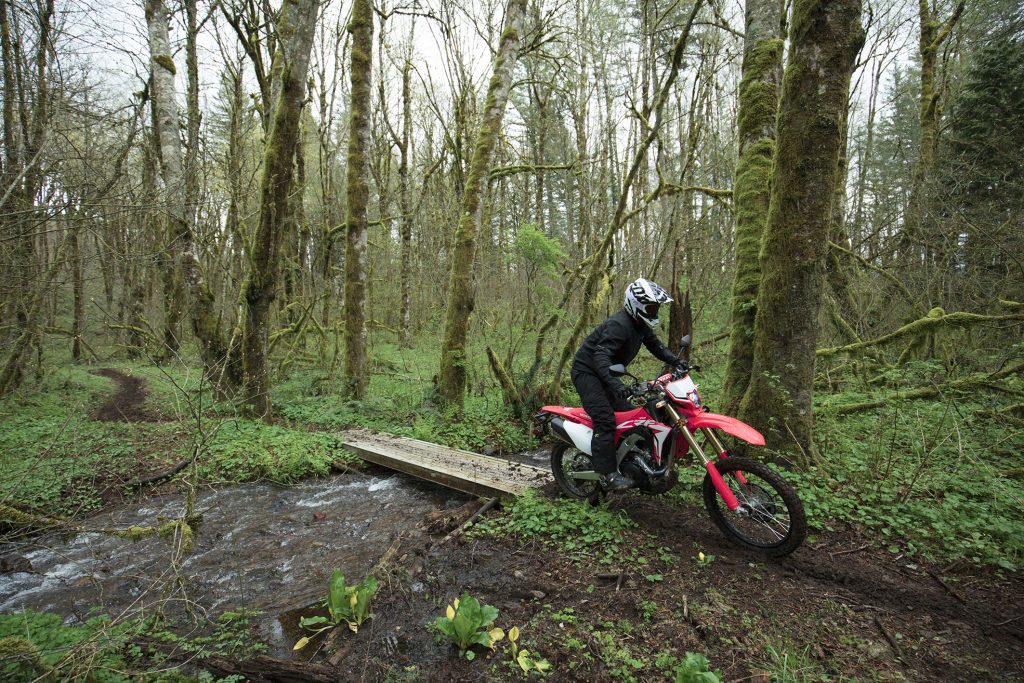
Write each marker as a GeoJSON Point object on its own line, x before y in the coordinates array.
{"type": "Point", "coordinates": [479, 475]}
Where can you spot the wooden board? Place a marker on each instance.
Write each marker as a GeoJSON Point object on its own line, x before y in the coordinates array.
{"type": "Point", "coordinates": [480, 475]}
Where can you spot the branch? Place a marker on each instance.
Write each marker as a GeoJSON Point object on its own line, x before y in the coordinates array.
{"type": "Point", "coordinates": [935, 318]}
{"type": "Point", "coordinates": [501, 171]}
{"type": "Point", "coordinates": [881, 271]}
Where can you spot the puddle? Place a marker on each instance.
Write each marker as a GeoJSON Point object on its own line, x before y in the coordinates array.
{"type": "Point", "coordinates": [261, 546]}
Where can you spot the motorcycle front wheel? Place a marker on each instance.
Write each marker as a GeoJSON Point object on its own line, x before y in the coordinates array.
{"type": "Point", "coordinates": [565, 461]}
{"type": "Point", "coordinates": [770, 518]}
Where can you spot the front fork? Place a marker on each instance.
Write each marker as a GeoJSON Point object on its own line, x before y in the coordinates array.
{"type": "Point", "coordinates": [716, 478]}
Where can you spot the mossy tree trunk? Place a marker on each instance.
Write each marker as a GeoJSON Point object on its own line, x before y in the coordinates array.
{"type": "Point", "coordinates": [25, 127]}
{"type": "Point", "coordinates": [205, 320]}
{"type": "Point", "coordinates": [295, 31]}
{"type": "Point", "coordinates": [931, 37]}
{"type": "Point", "coordinates": [405, 189]}
{"type": "Point", "coordinates": [827, 36]}
{"type": "Point", "coordinates": [358, 190]}
{"type": "Point", "coordinates": [758, 105]}
{"type": "Point", "coordinates": [452, 381]}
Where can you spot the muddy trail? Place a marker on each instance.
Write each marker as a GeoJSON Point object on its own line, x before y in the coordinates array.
{"type": "Point", "coordinates": [837, 609]}
{"type": "Point", "coordinates": [126, 404]}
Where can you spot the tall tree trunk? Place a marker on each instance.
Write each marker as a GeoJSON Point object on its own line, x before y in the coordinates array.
{"type": "Point", "coordinates": [358, 194]}
{"type": "Point", "coordinates": [931, 37]}
{"type": "Point", "coordinates": [205, 321]}
{"type": "Point", "coordinates": [295, 30]}
{"type": "Point", "coordinates": [78, 307]}
{"type": "Point", "coordinates": [758, 105]}
{"type": "Point", "coordinates": [826, 38]}
{"type": "Point", "coordinates": [405, 190]}
{"type": "Point", "coordinates": [460, 290]}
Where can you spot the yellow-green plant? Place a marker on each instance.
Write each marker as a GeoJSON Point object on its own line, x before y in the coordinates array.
{"type": "Point", "coordinates": [523, 658]}
{"type": "Point", "coordinates": [465, 623]}
{"type": "Point", "coordinates": [349, 604]}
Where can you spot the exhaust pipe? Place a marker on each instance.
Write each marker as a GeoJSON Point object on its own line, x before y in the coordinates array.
{"type": "Point", "coordinates": [558, 431]}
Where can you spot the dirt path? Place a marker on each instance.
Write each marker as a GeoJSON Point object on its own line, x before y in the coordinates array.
{"type": "Point", "coordinates": [126, 403]}
{"type": "Point", "coordinates": [839, 608]}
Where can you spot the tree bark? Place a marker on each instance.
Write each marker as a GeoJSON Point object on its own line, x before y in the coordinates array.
{"type": "Point", "coordinates": [826, 39]}
{"type": "Point", "coordinates": [358, 193]}
{"type": "Point", "coordinates": [205, 321]}
{"type": "Point", "coordinates": [931, 37]}
{"type": "Point", "coordinates": [405, 189]}
{"type": "Point", "coordinates": [452, 382]}
{"type": "Point", "coordinates": [291, 63]}
{"type": "Point", "coordinates": [758, 105]}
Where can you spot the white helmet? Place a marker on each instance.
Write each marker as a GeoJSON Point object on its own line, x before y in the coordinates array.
{"type": "Point", "coordinates": [643, 298]}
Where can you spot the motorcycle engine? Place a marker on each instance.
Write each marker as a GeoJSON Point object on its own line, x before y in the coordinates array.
{"type": "Point", "coordinates": [636, 460]}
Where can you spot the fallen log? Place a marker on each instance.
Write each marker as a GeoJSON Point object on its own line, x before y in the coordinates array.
{"type": "Point", "coordinates": [259, 669]}
{"type": "Point", "coordinates": [157, 478]}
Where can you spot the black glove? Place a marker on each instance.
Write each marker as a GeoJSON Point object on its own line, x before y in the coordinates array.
{"type": "Point", "coordinates": [621, 391]}
{"type": "Point", "coordinates": [682, 367]}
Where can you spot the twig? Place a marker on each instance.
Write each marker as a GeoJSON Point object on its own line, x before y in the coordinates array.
{"type": "Point", "coordinates": [469, 522]}
{"type": "Point", "coordinates": [892, 641]}
{"type": "Point", "coordinates": [942, 583]}
{"type": "Point", "coordinates": [1008, 621]}
{"type": "Point", "coordinates": [162, 476]}
{"type": "Point", "coordinates": [846, 552]}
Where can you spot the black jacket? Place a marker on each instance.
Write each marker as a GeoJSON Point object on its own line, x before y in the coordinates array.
{"type": "Point", "coordinates": [618, 340]}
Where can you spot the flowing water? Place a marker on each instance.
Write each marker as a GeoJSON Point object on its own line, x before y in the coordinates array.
{"type": "Point", "coordinates": [260, 546]}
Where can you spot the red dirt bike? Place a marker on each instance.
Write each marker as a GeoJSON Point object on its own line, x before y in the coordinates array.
{"type": "Point", "coordinates": [752, 505]}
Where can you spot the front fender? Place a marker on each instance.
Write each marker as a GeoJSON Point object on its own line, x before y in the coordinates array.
{"type": "Point", "coordinates": [729, 425]}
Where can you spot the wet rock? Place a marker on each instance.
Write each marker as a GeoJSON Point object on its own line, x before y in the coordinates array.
{"type": "Point", "coordinates": [15, 563]}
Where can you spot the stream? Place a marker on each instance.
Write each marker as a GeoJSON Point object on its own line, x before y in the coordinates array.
{"type": "Point", "coordinates": [260, 546]}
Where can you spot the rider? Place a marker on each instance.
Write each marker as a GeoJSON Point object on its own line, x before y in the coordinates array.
{"type": "Point", "coordinates": [617, 340]}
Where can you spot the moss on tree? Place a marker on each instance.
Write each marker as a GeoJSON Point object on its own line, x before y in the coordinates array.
{"type": "Point", "coordinates": [758, 104]}
{"type": "Point", "coordinates": [826, 39]}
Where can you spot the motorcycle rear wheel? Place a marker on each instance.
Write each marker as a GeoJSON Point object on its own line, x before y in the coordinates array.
{"type": "Point", "coordinates": [770, 519]}
{"type": "Point", "coordinates": [565, 460]}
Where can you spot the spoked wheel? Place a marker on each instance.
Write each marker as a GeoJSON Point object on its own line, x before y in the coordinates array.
{"type": "Point", "coordinates": [565, 460]}
{"type": "Point", "coordinates": [770, 518]}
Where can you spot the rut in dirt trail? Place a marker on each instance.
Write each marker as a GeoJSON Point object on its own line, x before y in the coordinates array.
{"type": "Point", "coordinates": [126, 404]}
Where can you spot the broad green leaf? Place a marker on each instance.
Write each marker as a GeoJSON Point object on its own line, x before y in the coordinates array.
{"type": "Point", "coordinates": [542, 665]}
{"type": "Point", "coordinates": [306, 622]}
{"type": "Point", "coordinates": [470, 655]}
{"type": "Point", "coordinates": [523, 660]}
{"type": "Point", "coordinates": [496, 634]}
{"type": "Point", "coordinates": [336, 596]}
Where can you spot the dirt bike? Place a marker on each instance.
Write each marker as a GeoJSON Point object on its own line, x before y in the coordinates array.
{"type": "Point", "coordinates": [751, 503]}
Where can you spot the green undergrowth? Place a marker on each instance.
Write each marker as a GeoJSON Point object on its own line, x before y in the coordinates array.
{"type": "Point", "coordinates": [941, 477]}
{"type": "Point", "coordinates": [44, 646]}
{"type": "Point", "coordinates": [401, 400]}
{"type": "Point", "coordinates": [39, 646]}
{"type": "Point", "coordinates": [583, 532]}
{"type": "Point", "coordinates": [57, 459]}
{"type": "Point", "coordinates": [248, 450]}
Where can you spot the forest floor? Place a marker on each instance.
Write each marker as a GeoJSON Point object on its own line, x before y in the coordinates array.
{"type": "Point", "coordinates": [654, 581]}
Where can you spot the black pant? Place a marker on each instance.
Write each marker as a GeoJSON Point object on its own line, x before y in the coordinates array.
{"type": "Point", "coordinates": [600, 405]}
